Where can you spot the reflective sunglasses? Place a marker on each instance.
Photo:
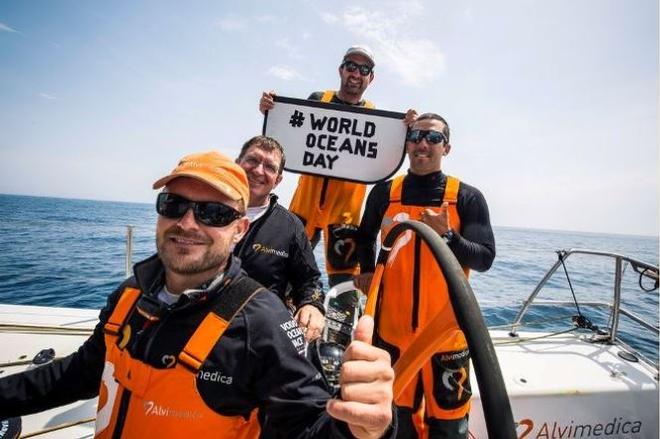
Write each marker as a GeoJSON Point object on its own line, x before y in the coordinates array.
{"type": "Point", "coordinates": [352, 66]}
{"type": "Point", "coordinates": [209, 213]}
{"type": "Point", "coordinates": [431, 136]}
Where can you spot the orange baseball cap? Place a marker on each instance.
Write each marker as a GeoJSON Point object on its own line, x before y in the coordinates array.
{"type": "Point", "coordinates": [214, 169]}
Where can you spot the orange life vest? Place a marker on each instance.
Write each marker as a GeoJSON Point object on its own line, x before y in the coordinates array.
{"type": "Point", "coordinates": [164, 402]}
{"type": "Point", "coordinates": [321, 201]}
{"type": "Point", "coordinates": [324, 202]}
{"type": "Point", "coordinates": [413, 291]}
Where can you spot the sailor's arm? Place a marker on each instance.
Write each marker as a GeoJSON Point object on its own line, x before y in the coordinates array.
{"type": "Point", "coordinates": [292, 392]}
{"type": "Point", "coordinates": [266, 102]}
{"type": "Point", "coordinates": [474, 245]}
{"type": "Point", "coordinates": [306, 286]}
{"type": "Point", "coordinates": [59, 382]}
{"type": "Point", "coordinates": [367, 233]}
{"type": "Point", "coordinates": [367, 380]}
{"type": "Point", "coordinates": [302, 271]}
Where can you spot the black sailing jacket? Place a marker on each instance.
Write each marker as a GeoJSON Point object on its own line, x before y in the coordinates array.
{"type": "Point", "coordinates": [275, 252]}
{"type": "Point", "coordinates": [259, 351]}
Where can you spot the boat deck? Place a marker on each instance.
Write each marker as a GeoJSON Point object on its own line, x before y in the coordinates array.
{"type": "Point", "coordinates": [25, 331]}
{"type": "Point", "coordinates": [559, 386]}
{"type": "Point", "coordinates": [573, 385]}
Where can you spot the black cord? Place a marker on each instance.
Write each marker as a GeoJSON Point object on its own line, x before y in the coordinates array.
{"type": "Point", "coordinates": [651, 275]}
{"type": "Point", "coordinates": [580, 320]}
{"type": "Point", "coordinates": [561, 255]}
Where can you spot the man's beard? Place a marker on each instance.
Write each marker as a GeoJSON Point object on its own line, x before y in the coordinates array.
{"type": "Point", "coordinates": [352, 90]}
{"type": "Point", "coordinates": [175, 260]}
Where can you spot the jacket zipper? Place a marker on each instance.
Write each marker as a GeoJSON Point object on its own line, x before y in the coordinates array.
{"type": "Point", "coordinates": [416, 276]}
{"type": "Point", "coordinates": [152, 336]}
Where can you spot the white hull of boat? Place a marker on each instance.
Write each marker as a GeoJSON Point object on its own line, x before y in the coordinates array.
{"type": "Point", "coordinates": [562, 386]}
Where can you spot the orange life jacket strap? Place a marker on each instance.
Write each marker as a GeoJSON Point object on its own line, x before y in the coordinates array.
{"type": "Point", "coordinates": [395, 189]}
{"type": "Point", "coordinates": [328, 94]}
{"type": "Point", "coordinates": [451, 190]}
{"type": "Point", "coordinates": [203, 340]}
{"type": "Point", "coordinates": [124, 305]}
{"type": "Point", "coordinates": [215, 323]}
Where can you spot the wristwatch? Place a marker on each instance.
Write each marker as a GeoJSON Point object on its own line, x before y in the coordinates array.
{"type": "Point", "coordinates": [449, 236]}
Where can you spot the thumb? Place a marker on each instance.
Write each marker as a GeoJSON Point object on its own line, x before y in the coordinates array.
{"type": "Point", "coordinates": [364, 329]}
{"type": "Point", "coordinates": [428, 212]}
{"type": "Point", "coordinates": [444, 205]}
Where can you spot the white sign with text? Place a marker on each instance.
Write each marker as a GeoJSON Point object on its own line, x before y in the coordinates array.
{"type": "Point", "coordinates": [339, 141]}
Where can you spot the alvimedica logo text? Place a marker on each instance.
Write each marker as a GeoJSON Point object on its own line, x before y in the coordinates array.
{"type": "Point", "coordinates": [152, 408]}
{"type": "Point", "coordinates": [260, 248]}
{"type": "Point", "coordinates": [557, 430]}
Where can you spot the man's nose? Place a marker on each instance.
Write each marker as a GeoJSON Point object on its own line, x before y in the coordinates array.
{"type": "Point", "coordinates": [424, 143]}
{"type": "Point", "coordinates": [355, 74]}
{"type": "Point", "coordinates": [188, 219]}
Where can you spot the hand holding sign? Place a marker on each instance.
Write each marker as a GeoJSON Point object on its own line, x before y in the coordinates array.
{"type": "Point", "coordinates": [411, 117]}
{"type": "Point", "coordinates": [266, 102]}
{"type": "Point", "coordinates": [338, 141]}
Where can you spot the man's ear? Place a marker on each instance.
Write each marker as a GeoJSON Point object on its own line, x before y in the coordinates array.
{"type": "Point", "coordinates": [278, 179]}
{"type": "Point", "coordinates": [447, 149]}
{"type": "Point", "coordinates": [242, 225]}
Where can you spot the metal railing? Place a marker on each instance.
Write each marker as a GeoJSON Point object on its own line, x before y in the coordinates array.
{"type": "Point", "coordinates": [128, 260]}
{"type": "Point", "coordinates": [616, 311]}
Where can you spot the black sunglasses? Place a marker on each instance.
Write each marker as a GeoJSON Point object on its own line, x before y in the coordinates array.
{"type": "Point", "coordinates": [206, 212]}
{"type": "Point", "coordinates": [431, 136]}
{"type": "Point", "coordinates": [352, 66]}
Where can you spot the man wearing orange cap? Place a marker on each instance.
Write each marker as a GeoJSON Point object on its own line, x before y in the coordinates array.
{"type": "Point", "coordinates": [323, 203]}
{"type": "Point", "coordinates": [190, 346]}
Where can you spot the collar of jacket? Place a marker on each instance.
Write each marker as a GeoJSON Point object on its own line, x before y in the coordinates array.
{"type": "Point", "coordinates": [428, 180]}
{"type": "Point", "coordinates": [150, 276]}
{"type": "Point", "coordinates": [272, 201]}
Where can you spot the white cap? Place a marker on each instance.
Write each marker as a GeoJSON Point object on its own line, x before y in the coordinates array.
{"type": "Point", "coordinates": [361, 50]}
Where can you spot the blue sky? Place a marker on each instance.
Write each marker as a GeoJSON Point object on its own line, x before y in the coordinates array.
{"type": "Point", "coordinates": [553, 105]}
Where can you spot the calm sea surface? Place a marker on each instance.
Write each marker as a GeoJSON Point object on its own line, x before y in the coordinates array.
{"type": "Point", "coordinates": [71, 253]}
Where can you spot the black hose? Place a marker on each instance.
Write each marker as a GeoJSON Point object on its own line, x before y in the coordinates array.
{"type": "Point", "coordinates": [494, 398]}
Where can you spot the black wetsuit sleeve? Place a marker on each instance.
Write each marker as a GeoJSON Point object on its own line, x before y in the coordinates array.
{"type": "Point", "coordinates": [303, 273]}
{"type": "Point", "coordinates": [59, 382]}
{"type": "Point", "coordinates": [474, 245]}
{"type": "Point", "coordinates": [375, 208]}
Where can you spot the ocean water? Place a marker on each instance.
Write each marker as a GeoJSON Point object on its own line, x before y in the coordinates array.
{"type": "Point", "coordinates": [63, 252]}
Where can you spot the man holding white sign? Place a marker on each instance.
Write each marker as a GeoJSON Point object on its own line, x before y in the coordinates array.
{"type": "Point", "coordinates": [325, 203]}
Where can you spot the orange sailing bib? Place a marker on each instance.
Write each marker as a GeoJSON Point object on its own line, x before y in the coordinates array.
{"type": "Point", "coordinates": [141, 401]}
{"type": "Point", "coordinates": [413, 291]}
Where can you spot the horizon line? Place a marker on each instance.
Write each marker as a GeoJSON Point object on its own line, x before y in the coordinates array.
{"type": "Point", "coordinates": [538, 228]}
